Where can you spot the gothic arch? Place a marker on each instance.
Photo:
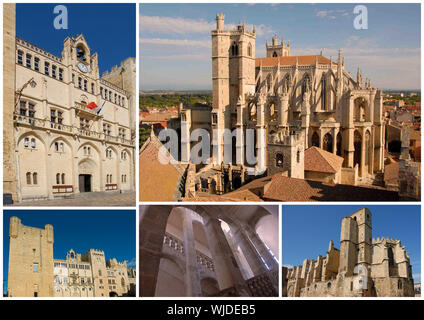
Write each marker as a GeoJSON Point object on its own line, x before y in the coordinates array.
{"type": "Point", "coordinates": [234, 49]}
{"type": "Point", "coordinates": [64, 139]}
{"type": "Point", "coordinates": [327, 142]}
{"type": "Point", "coordinates": [359, 109]}
{"type": "Point", "coordinates": [30, 133]}
{"type": "Point", "coordinates": [305, 83]}
{"type": "Point", "coordinates": [249, 49]}
{"type": "Point", "coordinates": [89, 143]}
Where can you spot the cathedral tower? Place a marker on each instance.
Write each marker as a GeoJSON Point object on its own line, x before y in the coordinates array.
{"type": "Point", "coordinates": [355, 242]}
{"type": "Point", "coordinates": [30, 260]}
{"type": "Point", "coordinates": [233, 76]}
{"type": "Point", "coordinates": [277, 49]}
{"type": "Point", "coordinates": [98, 267]}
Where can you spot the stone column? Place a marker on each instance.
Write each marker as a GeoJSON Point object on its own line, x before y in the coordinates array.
{"type": "Point", "coordinates": [240, 134]}
{"type": "Point", "coordinates": [362, 167]}
{"type": "Point", "coordinates": [192, 279]}
{"type": "Point", "coordinates": [283, 110]}
{"type": "Point", "coordinates": [261, 248]}
{"type": "Point", "coordinates": [260, 134]}
{"type": "Point", "coordinates": [227, 271]}
{"type": "Point", "coordinates": [249, 251]}
{"type": "Point", "coordinates": [334, 133]}
{"type": "Point", "coordinates": [185, 137]}
{"type": "Point", "coordinates": [152, 228]}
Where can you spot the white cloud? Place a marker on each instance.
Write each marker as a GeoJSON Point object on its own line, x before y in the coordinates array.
{"type": "Point", "coordinates": [332, 14]}
{"type": "Point", "coordinates": [176, 42]}
{"type": "Point", "coordinates": [170, 25]}
{"type": "Point", "coordinates": [187, 57]}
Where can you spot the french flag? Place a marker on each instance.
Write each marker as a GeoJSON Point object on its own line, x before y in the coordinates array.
{"type": "Point", "coordinates": [95, 107]}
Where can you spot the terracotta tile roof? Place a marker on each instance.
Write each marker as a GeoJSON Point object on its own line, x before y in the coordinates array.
{"type": "Point", "coordinates": [159, 116]}
{"type": "Point", "coordinates": [319, 160]}
{"type": "Point", "coordinates": [391, 171]}
{"type": "Point", "coordinates": [235, 196]}
{"type": "Point", "coordinates": [158, 182]}
{"type": "Point", "coordinates": [290, 189]}
{"type": "Point", "coordinates": [291, 60]}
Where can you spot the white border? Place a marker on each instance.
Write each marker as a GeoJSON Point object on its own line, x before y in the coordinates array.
{"type": "Point", "coordinates": [196, 203]}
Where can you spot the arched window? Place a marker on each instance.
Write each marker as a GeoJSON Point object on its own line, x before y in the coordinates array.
{"type": "Point", "coordinates": [63, 178]}
{"type": "Point", "coordinates": [279, 160]}
{"type": "Point", "coordinates": [275, 54]}
{"type": "Point", "coordinates": [298, 156]}
{"type": "Point", "coordinates": [327, 143]}
{"type": "Point", "coordinates": [57, 178]}
{"type": "Point", "coordinates": [81, 53]}
{"type": "Point", "coordinates": [249, 50]}
{"type": "Point", "coordinates": [28, 178]}
{"type": "Point", "coordinates": [33, 145]}
{"type": "Point", "coordinates": [26, 142]}
{"type": "Point", "coordinates": [305, 84]}
{"type": "Point", "coordinates": [35, 178]}
{"type": "Point", "coordinates": [234, 49]}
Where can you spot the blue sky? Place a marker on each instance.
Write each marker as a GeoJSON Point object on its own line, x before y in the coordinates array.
{"type": "Point", "coordinates": [110, 29]}
{"type": "Point", "coordinates": [307, 230]}
{"type": "Point", "coordinates": [113, 231]}
{"type": "Point", "coordinates": [175, 42]}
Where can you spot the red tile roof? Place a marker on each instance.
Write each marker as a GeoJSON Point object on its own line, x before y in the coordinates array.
{"type": "Point", "coordinates": [290, 189]}
{"type": "Point", "coordinates": [319, 160]}
{"type": "Point", "coordinates": [158, 182]}
{"type": "Point", "coordinates": [291, 60]}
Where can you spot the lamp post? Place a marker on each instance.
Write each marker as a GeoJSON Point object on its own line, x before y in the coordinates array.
{"type": "Point", "coordinates": [18, 93]}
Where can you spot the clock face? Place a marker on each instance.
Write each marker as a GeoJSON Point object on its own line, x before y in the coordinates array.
{"type": "Point", "coordinates": [82, 67]}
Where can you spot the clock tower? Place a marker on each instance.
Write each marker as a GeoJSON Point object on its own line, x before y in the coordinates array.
{"type": "Point", "coordinates": [76, 55]}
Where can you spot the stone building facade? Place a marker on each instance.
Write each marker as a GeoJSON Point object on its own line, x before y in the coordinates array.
{"type": "Point", "coordinates": [362, 267]}
{"type": "Point", "coordinates": [205, 251]}
{"type": "Point", "coordinates": [280, 105]}
{"type": "Point", "coordinates": [33, 272]}
{"type": "Point", "coordinates": [60, 143]}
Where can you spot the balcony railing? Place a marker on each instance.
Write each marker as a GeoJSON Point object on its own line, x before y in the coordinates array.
{"type": "Point", "coordinates": [47, 124]}
{"type": "Point", "coordinates": [82, 107]}
{"type": "Point", "coordinates": [178, 246]}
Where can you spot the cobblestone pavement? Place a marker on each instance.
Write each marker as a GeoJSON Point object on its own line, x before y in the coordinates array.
{"type": "Point", "coordinates": [87, 199]}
